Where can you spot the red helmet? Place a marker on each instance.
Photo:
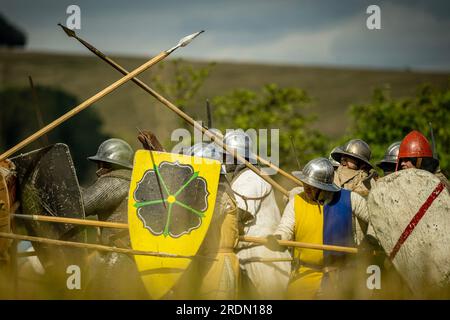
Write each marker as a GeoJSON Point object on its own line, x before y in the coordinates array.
{"type": "Point", "coordinates": [415, 145]}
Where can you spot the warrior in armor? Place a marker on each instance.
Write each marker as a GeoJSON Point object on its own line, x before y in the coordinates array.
{"type": "Point", "coordinates": [114, 275]}
{"type": "Point", "coordinates": [298, 190]}
{"type": "Point", "coordinates": [355, 170]}
{"type": "Point", "coordinates": [217, 266]}
{"type": "Point", "coordinates": [415, 152]}
{"type": "Point", "coordinates": [389, 162]}
{"type": "Point", "coordinates": [259, 217]}
{"type": "Point", "coordinates": [355, 173]}
{"type": "Point", "coordinates": [321, 214]}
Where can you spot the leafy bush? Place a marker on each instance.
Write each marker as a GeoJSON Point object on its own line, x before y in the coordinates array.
{"type": "Point", "coordinates": [386, 120]}
{"type": "Point", "coordinates": [273, 107]}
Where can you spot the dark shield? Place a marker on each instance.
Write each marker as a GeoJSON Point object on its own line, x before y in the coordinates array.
{"type": "Point", "coordinates": [48, 185]}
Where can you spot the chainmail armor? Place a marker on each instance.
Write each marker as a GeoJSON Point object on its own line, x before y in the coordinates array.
{"type": "Point", "coordinates": [108, 199]}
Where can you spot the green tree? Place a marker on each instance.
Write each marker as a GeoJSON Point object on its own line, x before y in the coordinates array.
{"type": "Point", "coordinates": [273, 107]}
{"type": "Point", "coordinates": [385, 120]}
{"type": "Point", "coordinates": [181, 82]}
{"type": "Point", "coordinates": [18, 121]}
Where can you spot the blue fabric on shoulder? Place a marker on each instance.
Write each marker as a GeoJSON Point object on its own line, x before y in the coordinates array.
{"type": "Point", "coordinates": [337, 224]}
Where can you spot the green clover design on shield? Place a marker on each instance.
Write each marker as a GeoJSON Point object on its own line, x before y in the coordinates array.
{"type": "Point", "coordinates": [174, 205]}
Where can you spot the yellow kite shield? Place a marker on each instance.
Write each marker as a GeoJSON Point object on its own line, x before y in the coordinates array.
{"type": "Point", "coordinates": [170, 206]}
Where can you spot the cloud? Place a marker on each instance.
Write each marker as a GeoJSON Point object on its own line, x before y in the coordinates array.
{"type": "Point", "coordinates": [414, 33]}
{"type": "Point", "coordinates": [409, 38]}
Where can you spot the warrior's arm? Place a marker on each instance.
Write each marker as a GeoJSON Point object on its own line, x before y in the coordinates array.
{"type": "Point", "coordinates": [104, 195]}
{"type": "Point", "coordinates": [292, 193]}
{"type": "Point", "coordinates": [287, 223]}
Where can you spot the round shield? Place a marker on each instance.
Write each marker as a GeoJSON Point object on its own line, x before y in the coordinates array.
{"type": "Point", "coordinates": [410, 213]}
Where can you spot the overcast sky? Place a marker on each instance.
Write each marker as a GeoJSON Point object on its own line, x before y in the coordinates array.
{"type": "Point", "coordinates": [414, 34]}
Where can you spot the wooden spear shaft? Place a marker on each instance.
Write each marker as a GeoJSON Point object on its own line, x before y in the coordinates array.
{"type": "Point", "coordinates": [93, 223]}
{"type": "Point", "coordinates": [90, 246]}
{"type": "Point", "coordinates": [304, 245]}
{"type": "Point", "coordinates": [116, 225]}
{"type": "Point", "coordinates": [37, 108]}
{"type": "Point", "coordinates": [167, 103]}
{"type": "Point", "coordinates": [255, 259]}
{"type": "Point", "coordinates": [82, 222]}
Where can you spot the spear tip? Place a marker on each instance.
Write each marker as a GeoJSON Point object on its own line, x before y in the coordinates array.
{"type": "Point", "coordinates": [185, 41]}
{"type": "Point", "coordinates": [68, 31]}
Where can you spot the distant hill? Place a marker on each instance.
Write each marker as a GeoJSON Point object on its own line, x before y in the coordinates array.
{"type": "Point", "coordinates": [333, 89]}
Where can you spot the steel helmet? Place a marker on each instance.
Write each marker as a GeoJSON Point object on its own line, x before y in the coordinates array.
{"type": "Point", "coordinates": [115, 151]}
{"type": "Point", "coordinates": [355, 148]}
{"type": "Point", "coordinates": [196, 149]}
{"type": "Point", "coordinates": [390, 156]}
{"type": "Point", "coordinates": [318, 173]}
{"type": "Point", "coordinates": [415, 145]}
{"type": "Point", "coordinates": [210, 151]}
{"type": "Point", "coordinates": [334, 162]}
{"type": "Point", "coordinates": [242, 143]}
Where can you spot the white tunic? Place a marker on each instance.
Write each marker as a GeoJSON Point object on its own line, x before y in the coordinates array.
{"type": "Point", "coordinates": [269, 278]}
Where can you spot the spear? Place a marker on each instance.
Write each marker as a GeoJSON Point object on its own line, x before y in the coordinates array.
{"type": "Point", "coordinates": [182, 43]}
{"type": "Point", "coordinates": [90, 246]}
{"type": "Point", "coordinates": [154, 166]}
{"type": "Point", "coordinates": [185, 116]}
{"type": "Point", "coordinates": [117, 225]}
{"type": "Point", "coordinates": [266, 260]}
{"type": "Point", "coordinates": [82, 222]}
{"type": "Point", "coordinates": [433, 142]}
{"type": "Point", "coordinates": [208, 114]}
{"type": "Point", "coordinates": [295, 152]}
{"type": "Point", "coordinates": [36, 108]}
{"type": "Point", "coordinates": [305, 245]}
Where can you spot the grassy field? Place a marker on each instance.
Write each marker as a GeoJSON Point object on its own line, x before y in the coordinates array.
{"type": "Point", "coordinates": [332, 89]}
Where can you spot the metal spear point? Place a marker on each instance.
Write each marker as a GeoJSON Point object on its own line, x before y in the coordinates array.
{"type": "Point", "coordinates": [185, 41]}
{"type": "Point", "coordinates": [68, 31]}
